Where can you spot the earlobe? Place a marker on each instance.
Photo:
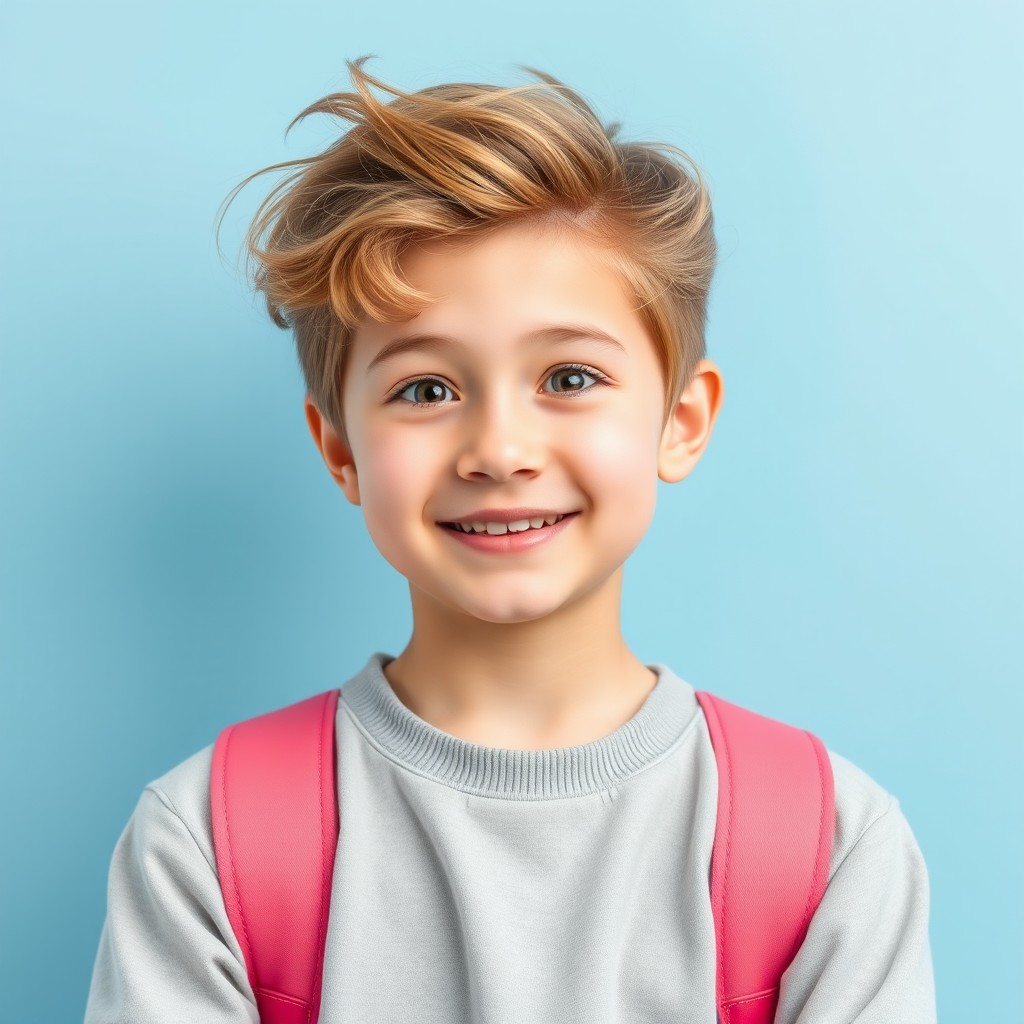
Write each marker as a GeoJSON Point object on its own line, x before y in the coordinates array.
{"type": "Point", "coordinates": [689, 426]}
{"type": "Point", "coordinates": [335, 452]}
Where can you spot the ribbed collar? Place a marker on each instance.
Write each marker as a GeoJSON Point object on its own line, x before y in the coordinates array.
{"type": "Point", "coordinates": [669, 710]}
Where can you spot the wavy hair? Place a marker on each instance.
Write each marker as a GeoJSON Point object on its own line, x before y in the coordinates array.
{"type": "Point", "coordinates": [462, 159]}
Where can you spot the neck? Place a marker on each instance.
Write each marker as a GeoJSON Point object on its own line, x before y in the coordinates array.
{"type": "Point", "coordinates": [562, 680]}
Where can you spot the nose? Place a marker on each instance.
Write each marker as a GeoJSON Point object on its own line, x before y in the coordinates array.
{"type": "Point", "coordinates": [505, 436]}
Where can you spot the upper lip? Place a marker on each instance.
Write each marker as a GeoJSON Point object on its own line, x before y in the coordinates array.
{"type": "Point", "coordinates": [506, 515]}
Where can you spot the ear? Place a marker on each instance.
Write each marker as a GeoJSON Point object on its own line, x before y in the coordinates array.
{"type": "Point", "coordinates": [335, 451]}
{"type": "Point", "coordinates": [688, 428]}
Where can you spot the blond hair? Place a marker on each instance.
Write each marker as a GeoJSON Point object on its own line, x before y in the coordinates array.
{"type": "Point", "coordinates": [463, 159]}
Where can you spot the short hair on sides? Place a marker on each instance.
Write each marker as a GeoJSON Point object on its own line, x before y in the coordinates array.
{"type": "Point", "coordinates": [455, 161]}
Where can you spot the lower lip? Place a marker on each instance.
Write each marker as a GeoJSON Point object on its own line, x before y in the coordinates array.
{"type": "Point", "coordinates": [510, 543]}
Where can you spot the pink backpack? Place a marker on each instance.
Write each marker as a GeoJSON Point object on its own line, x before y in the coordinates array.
{"type": "Point", "coordinates": [275, 827]}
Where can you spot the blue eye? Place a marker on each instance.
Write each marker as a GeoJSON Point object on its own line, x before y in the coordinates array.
{"type": "Point", "coordinates": [436, 387]}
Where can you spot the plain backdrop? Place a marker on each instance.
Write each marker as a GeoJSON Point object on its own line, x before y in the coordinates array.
{"type": "Point", "coordinates": [847, 556]}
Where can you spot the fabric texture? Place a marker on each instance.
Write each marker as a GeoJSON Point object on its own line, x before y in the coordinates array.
{"type": "Point", "coordinates": [480, 884]}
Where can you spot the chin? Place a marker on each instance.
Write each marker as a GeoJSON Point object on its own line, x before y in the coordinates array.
{"type": "Point", "coordinates": [498, 603]}
{"type": "Point", "coordinates": [508, 615]}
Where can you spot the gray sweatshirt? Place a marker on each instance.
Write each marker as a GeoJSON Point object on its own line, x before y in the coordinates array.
{"type": "Point", "coordinates": [496, 886]}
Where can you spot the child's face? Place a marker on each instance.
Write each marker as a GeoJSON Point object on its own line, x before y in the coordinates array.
{"type": "Point", "coordinates": [507, 425]}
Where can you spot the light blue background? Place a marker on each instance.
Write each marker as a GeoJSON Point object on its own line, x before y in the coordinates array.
{"type": "Point", "coordinates": [847, 556]}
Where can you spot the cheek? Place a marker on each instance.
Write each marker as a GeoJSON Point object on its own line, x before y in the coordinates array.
{"type": "Point", "coordinates": [621, 464]}
{"type": "Point", "coordinates": [396, 476]}
{"type": "Point", "coordinates": [393, 487]}
{"type": "Point", "coordinates": [619, 451]}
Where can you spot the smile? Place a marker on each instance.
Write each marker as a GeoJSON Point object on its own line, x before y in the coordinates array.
{"type": "Point", "coordinates": [507, 539]}
{"type": "Point", "coordinates": [519, 526]}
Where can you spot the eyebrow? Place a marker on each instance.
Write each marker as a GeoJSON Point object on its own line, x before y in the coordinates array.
{"type": "Point", "coordinates": [551, 333]}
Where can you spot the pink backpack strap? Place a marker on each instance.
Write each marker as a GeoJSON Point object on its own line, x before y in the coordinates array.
{"type": "Point", "coordinates": [770, 859]}
{"type": "Point", "coordinates": [275, 831]}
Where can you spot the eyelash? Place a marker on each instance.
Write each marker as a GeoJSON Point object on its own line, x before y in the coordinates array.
{"type": "Point", "coordinates": [600, 379]}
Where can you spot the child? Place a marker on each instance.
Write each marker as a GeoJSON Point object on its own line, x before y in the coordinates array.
{"type": "Point", "coordinates": [499, 312]}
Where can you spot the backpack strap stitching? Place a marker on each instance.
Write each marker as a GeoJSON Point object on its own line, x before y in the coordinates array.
{"type": "Point", "coordinates": [753, 997]}
{"type": "Point", "coordinates": [326, 720]}
{"type": "Point", "coordinates": [815, 890]}
{"type": "Point", "coordinates": [244, 937]}
{"type": "Point", "coordinates": [821, 821]}
{"type": "Point", "coordinates": [285, 998]}
{"type": "Point", "coordinates": [725, 763]}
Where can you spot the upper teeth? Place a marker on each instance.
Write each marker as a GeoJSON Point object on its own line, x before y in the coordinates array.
{"type": "Point", "coordinates": [517, 527]}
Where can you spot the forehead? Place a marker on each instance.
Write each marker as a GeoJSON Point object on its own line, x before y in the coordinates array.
{"type": "Point", "coordinates": [506, 285]}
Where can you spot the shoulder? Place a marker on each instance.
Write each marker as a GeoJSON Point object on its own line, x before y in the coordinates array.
{"type": "Point", "coordinates": [862, 805]}
{"type": "Point", "coordinates": [862, 798]}
{"type": "Point", "coordinates": [867, 814]}
{"type": "Point", "coordinates": [874, 913]}
{"type": "Point", "coordinates": [168, 950]}
{"type": "Point", "coordinates": [183, 793]}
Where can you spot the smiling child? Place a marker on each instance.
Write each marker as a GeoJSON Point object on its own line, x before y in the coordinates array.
{"type": "Point", "coordinates": [499, 310]}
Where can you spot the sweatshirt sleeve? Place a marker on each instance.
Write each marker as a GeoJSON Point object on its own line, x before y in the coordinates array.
{"type": "Point", "coordinates": [866, 958]}
{"type": "Point", "coordinates": [167, 952]}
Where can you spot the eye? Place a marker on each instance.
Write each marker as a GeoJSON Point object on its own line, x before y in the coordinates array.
{"type": "Point", "coordinates": [430, 385]}
{"type": "Point", "coordinates": [430, 388]}
{"type": "Point", "coordinates": [574, 371]}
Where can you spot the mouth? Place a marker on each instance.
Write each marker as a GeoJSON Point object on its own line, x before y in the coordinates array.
{"type": "Point", "coordinates": [498, 529]}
